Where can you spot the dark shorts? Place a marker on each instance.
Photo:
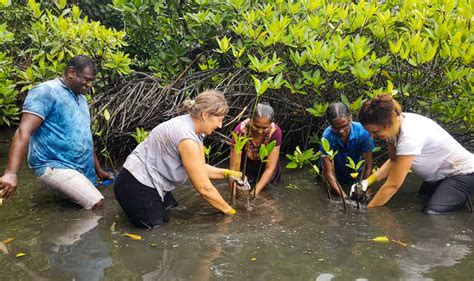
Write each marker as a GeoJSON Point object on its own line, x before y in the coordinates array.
{"type": "Point", "coordinates": [447, 195]}
{"type": "Point", "coordinates": [142, 204]}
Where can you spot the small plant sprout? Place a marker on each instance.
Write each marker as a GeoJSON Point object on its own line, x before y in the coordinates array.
{"type": "Point", "coordinates": [302, 158]}
{"type": "Point", "coordinates": [354, 167]}
{"type": "Point", "coordinates": [100, 135]}
{"type": "Point", "coordinates": [357, 174]}
{"type": "Point", "coordinates": [240, 142]}
{"type": "Point", "coordinates": [265, 150]}
{"type": "Point", "coordinates": [263, 153]}
{"type": "Point", "coordinates": [140, 135]}
{"type": "Point", "coordinates": [207, 151]}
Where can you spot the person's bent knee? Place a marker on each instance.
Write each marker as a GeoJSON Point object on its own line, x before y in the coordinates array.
{"type": "Point", "coordinates": [439, 209]}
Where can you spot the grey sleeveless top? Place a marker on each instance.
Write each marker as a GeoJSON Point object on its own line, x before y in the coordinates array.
{"type": "Point", "coordinates": [156, 161]}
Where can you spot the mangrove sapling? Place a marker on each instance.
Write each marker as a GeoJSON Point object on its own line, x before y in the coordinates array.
{"type": "Point", "coordinates": [99, 133]}
{"type": "Point", "coordinates": [300, 159]}
{"type": "Point", "coordinates": [263, 153]}
{"type": "Point", "coordinates": [331, 154]}
{"type": "Point", "coordinates": [207, 152]}
{"type": "Point", "coordinates": [358, 172]}
{"type": "Point", "coordinates": [239, 144]}
{"type": "Point", "coordinates": [140, 135]}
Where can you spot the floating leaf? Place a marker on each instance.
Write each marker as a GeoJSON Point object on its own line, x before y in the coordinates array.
{"type": "Point", "coordinates": [399, 243]}
{"type": "Point", "coordinates": [133, 236]}
{"type": "Point", "coordinates": [381, 239]}
{"type": "Point", "coordinates": [154, 245]}
{"type": "Point", "coordinates": [253, 259]}
{"type": "Point", "coordinates": [3, 248]}
{"type": "Point", "coordinates": [8, 240]}
{"type": "Point", "coordinates": [20, 255]}
{"type": "Point", "coordinates": [292, 186]}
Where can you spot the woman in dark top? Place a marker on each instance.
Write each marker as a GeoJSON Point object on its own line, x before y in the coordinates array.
{"type": "Point", "coordinates": [262, 130]}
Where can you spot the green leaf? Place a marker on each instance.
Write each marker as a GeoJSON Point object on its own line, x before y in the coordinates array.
{"type": "Point", "coordinates": [292, 165]}
{"type": "Point", "coordinates": [345, 101]}
{"type": "Point", "coordinates": [361, 162]}
{"type": "Point", "coordinates": [325, 145]}
{"type": "Point", "coordinates": [351, 162]}
{"type": "Point", "coordinates": [106, 114]}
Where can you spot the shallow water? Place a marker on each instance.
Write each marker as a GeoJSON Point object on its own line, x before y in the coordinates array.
{"type": "Point", "coordinates": [290, 234]}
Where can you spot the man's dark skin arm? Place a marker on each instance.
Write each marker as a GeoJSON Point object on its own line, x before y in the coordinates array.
{"type": "Point", "coordinates": [101, 174]}
{"type": "Point", "coordinates": [29, 123]}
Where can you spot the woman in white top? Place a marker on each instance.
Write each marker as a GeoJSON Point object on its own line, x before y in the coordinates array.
{"type": "Point", "coordinates": [418, 143]}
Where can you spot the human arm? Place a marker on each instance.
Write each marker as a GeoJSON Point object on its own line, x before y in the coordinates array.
{"type": "Point", "coordinates": [270, 168]}
{"type": "Point", "coordinates": [29, 123]}
{"type": "Point", "coordinates": [397, 171]}
{"type": "Point", "coordinates": [368, 164]}
{"type": "Point", "coordinates": [328, 174]}
{"type": "Point", "coordinates": [101, 174]}
{"type": "Point", "coordinates": [194, 163]}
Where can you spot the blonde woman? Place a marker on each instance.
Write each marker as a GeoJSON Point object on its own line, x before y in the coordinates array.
{"type": "Point", "coordinates": [163, 161]}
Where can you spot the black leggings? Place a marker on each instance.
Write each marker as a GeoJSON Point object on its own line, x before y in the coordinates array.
{"type": "Point", "coordinates": [142, 204]}
{"type": "Point", "coordinates": [447, 195]}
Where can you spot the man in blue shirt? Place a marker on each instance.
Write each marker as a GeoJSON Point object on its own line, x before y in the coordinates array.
{"type": "Point", "coordinates": [349, 139]}
{"type": "Point", "coordinates": [55, 126]}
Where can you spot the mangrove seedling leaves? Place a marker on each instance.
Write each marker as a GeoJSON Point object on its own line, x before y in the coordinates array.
{"type": "Point", "coordinates": [325, 145]}
{"type": "Point", "coordinates": [207, 150]}
{"type": "Point", "coordinates": [240, 142]}
{"type": "Point", "coordinates": [351, 163]}
{"type": "Point", "coordinates": [265, 150]}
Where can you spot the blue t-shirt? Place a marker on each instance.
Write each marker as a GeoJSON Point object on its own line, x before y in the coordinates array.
{"type": "Point", "coordinates": [359, 142]}
{"type": "Point", "coordinates": [64, 139]}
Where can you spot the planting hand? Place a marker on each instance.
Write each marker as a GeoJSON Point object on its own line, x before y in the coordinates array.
{"type": "Point", "coordinates": [242, 183]}
{"type": "Point", "coordinates": [236, 176]}
{"type": "Point", "coordinates": [364, 185]}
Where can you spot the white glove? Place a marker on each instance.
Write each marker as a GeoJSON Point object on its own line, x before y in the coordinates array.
{"type": "Point", "coordinates": [364, 185]}
{"type": "Point", "coordinates": [242, 184]}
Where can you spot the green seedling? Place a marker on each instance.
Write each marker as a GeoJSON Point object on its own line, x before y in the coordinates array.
{"type": "Point", "coordinates": [207, 152]}
{"type": "Point", "coordinates": [357, 174]}
{"type": "Point", "coordinates": [140, 135]}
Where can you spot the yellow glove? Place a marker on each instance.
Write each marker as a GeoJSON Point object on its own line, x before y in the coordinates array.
{"type": "Point", "coordinates": [228, 173]}
{"type": "Point", "coordinates": [231, 212]}
{"type": "Point", "coordinates": [371, 180]}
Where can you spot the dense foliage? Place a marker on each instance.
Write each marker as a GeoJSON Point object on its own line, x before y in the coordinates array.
{"type": "Point", "coordinates": [36, 43]}
{"type": "Point", "coordinates": [311, 52]}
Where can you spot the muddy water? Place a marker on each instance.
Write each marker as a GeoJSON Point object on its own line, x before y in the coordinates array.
{"type": "Point", "coordinates": [293, 232]}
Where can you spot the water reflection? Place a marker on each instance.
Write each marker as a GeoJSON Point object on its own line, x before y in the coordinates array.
{"type": "Point", "coordinates": [290, 234]}
{"type": "Point", "coordinates": [75, 249]}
